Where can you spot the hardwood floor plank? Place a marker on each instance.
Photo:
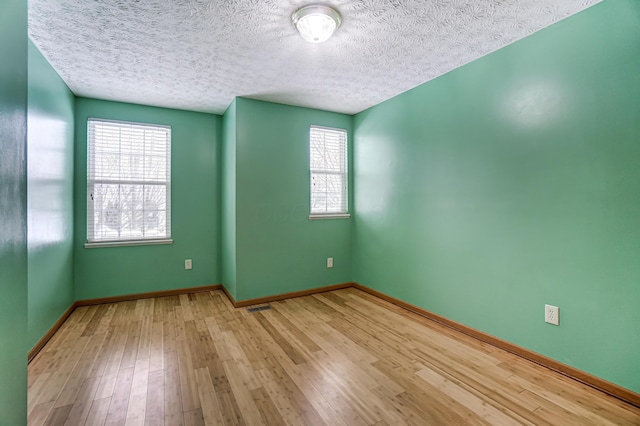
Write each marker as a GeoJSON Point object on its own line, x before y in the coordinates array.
{"type": "Point", "coordinates": [538, 387]}
{"type": "Point", "coordinates": [211, 410]}
{"type": "Point", "coordinates": [328, 337]}
{"type": "Point", "coordinates": [203, 348]}
{"type": "Point", "coordinates": [169, 326]}
{"type": "Point", "coordinates": [154, 413]}
{"type": "Point", "coordinates": [38, 413]}
{"type": "Point", "coordinates": [96, 319]}
{"type": "Point", "coordinates": [58, 338]}
{"type": "Point", "coordinates": [83, 401]}
{"type": "Point", "coordinates": [343, 357]}
{"type": "Point", "coordinates": [230, 411]}
{"type": "Point", "coordinates": [501, 392]}
{"type": "Point", "coordinates": [246, 336]}
{"type": "Point", "coordinates": [186, 307]}
{"type": "Point", "coordinates": [102, 358]}
{"type": "Point", "coordinates": [194, 418]}
{"type": "Point", "coordinates": [188, 388]}
{"type": "Point", "coordinates": [240, 368]}
{"type": "Point", "coordinates": [98, 412]}
{"type": "Point", "coordinates": [410, 414]}
{"type": "Point", "coordinates": [144, 344]}
{"type": "Point", "coordinates": [550, 410]}
{"type": "Point", "coordinates": [267, 409]}
{"type": "Point", "coordinates": [242, 394]}
{"type": "Point", "coordinates": [59, 376]}
{"type": "Point", "coordinates": [179, 323]}
{"type": "Point", "coordinates": [131, 346]}
{"type": "Point", "coordinates": [81, 371]}
{"type": "Point", "coordinates": [117, 413]}
{"type": "Point", "coordinates": [367, 404]}
{"type": "Point", "coordinates": [136, 410]}
{"type": "Point", "coordinates": [366, 369]}
{"type": "Point", "coordinates": [38, 367]}
{"type": "Point", "coordinates": [58, 416]}
{"type": "Point", "coordinates": [295, 332]}
{"type": "Point", "coordinates": [156, 346]}
{"type": "Point", "coordinates": [279, 360]}
{"type": "Point", "coordinates": [434, 407]}
{"type": "Point", "coordinates": [173, 413]}
{"type": "Point", "coordinates": [36, 390]}
{"type": "Point", "coordinates": [479, 406]}
{"type": "Point", "coordinates": [288, 349]}
{"type": "Point", "coordinates": [338, 402]}
{"type": "Point", "coordinates": [115, 352]}
{"type": "Point", "coordinates": [277, 394]}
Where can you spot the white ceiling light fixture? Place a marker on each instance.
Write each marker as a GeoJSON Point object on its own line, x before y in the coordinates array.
{"type": "Point", "coordinates": [316, 23]}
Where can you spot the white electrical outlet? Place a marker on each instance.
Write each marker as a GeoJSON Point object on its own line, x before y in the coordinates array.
{"type": "Point", "coordinates": [188, 264]}
{"type": "Point", "coordinates": [329, 262]}
{"type": "Point", "coordinates": [552, 314]}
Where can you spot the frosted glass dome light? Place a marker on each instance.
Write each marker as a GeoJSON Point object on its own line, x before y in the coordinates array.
{"type": "Point", "coordinates": [316, 23]}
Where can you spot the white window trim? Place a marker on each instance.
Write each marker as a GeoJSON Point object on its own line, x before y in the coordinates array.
{"type": "Point", "coordinates": [332, 215]}
{"type": "Point", "coordinates": [329, 216]}
{"type": "Point", "coordinates": [127, 242]}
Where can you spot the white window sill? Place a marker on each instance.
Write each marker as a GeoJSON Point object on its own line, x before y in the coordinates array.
{"type": "Point", "coordinates": [329, 216]}
{"type": "Point", "coordinates": [99, 244]}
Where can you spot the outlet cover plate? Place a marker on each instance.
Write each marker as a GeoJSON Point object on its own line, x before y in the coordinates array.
{"type": "Point", "coordinates": [329, 262]}
{"type": "Point", "coordinates": [552, 314]}
{"type": "Point", "coordinates": [188, 264]}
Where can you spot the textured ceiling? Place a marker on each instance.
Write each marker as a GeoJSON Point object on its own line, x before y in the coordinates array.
{"type": "Point", "coordinates": [199, 54]}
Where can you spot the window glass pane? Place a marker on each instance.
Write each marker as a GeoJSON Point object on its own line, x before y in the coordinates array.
{"type": "Point", "coordinates": [328, 170]}
{"type": "Point", "coordinates": [154, 167]}
{"type": "Point", "coordinates": [129, 181]}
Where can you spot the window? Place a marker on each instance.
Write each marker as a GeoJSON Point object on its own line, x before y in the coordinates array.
{"type": "Point", "coordinates": [328, 170]}
{"type": "Point", "coordinates": [129, 183]}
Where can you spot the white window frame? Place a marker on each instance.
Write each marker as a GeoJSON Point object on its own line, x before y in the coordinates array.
{"type": "Point", "coordinates": [315, 169]}
{"type": "Point", "coordinates": [94, 240]}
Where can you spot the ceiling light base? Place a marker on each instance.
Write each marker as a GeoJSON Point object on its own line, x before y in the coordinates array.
{"type": "Point", "coordinates": [316, 23]}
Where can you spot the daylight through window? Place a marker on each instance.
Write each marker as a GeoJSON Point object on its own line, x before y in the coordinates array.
{"type": "Point", "coordinates": [129, 182]}
{"type": "Point", "coordinates": [328, 169]}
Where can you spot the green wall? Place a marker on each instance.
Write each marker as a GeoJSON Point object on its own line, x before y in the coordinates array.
{"type": "Point", "coordinates": [13, 214]}
{"type": "Point", "coordinates": [49, 196]}
{"type": "Point", "coordinates": [228, 190]}
{"type": "Point", "coordinates": [195, 217]}
{"type": "Point", "coordinates": [278, 249]}
{"type": "Point", "coordinates": [512, 182]}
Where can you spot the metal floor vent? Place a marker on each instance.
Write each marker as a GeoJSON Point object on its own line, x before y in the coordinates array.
{"type": "Point", "coordinates": [259, 308]}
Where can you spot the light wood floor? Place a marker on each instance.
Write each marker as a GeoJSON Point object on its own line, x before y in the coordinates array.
{"type": "Point", "coordinates": [338, 358]}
